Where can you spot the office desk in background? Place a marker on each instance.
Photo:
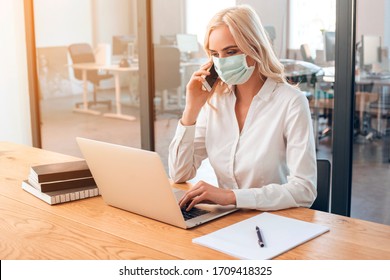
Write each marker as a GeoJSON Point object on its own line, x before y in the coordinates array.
{"type": "Point", "coordinates": [90, 229]}
{"type": "Point", "coordinates": [379, 86]}
{"type": "Point", "coordinates": [115, 70]}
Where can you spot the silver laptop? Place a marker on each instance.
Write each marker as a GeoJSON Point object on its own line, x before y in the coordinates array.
{"type": "Point", "coordinates": [135, 180]}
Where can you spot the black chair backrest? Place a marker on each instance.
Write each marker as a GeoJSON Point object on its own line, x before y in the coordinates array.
{"type": "Point", "coordinates": [323, 186]}
{"type": "Point", "coordinates": [167, 67]}
{"type": "Point", "coordinates": [83, 53]}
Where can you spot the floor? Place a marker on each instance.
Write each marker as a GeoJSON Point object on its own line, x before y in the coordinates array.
{"type": "Point", "coordinates": [60, 126]}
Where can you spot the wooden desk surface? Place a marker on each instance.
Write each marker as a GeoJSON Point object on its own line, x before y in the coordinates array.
{"type": "Point", "coordinates": [90, 229]}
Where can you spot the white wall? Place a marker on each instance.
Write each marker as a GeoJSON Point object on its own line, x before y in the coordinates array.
{"type": "Point", "coordinates": [387, 25]}
{"type": "Point", "coordinates": [111, 18]}
{"type": "Point", "coordinates": [197, 17]}
{"type": "Point", "coordinates": [373, 19]}
{"type": "Point", "coordinates": [14, 99]}
{"type": "Point", "coordinates": [272, 13]}
{"type": "Point", "coordinates": [166, 17]}
{"type": "Point", "coordinates": [370, 18]}
{"type": "Point", "coordinates": [76, 21]}
{"type": "Point", "coordinates": [60, 23]}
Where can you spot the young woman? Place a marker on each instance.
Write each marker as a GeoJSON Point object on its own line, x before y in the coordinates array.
{"type": "Point", "coordinates": [253, 126]}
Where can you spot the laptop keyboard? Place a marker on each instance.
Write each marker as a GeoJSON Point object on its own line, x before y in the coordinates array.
{"type": "Point", "coordinates": [193, 213]}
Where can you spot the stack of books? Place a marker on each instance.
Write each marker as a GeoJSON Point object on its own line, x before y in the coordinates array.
{"type": "Point", "coordinates": [61, 182]}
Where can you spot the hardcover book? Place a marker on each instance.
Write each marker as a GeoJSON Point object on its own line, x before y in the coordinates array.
{"type": "Point", "coordinates": [62, 196]}
{"type": "Point", "coordinates": [60, 171]}
{"type": "Point", "coordinates": [62, 185]}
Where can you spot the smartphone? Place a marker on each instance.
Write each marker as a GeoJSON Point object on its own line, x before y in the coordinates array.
{"type": "Point", "coordinates": [210, 79]}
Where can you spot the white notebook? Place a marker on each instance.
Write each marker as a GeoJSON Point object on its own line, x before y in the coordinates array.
{"type": "Point", "coordinates": [279, 234]}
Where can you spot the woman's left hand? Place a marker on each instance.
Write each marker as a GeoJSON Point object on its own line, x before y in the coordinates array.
{"type": "Point", "coordinates": [203, 192]}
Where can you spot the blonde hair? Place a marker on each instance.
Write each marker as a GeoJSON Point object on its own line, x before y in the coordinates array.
{"type": "Point", "coordinates": [251, 38]}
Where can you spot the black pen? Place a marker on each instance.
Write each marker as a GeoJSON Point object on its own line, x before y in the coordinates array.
{"type": "Point", "coordinates": [261, 242]}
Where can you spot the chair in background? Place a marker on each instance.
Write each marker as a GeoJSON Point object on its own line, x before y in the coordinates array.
{"type": "Point", "coordinates": [168, 78]}
{"type": "Point", "coordinates": [271, 32]}
{"type": "Point", "coordinates": [381, 109]}
{"type": "Point", "coordinates": [306, 54]}
{"type": "Point", "coordinates": [83, 53]}
{"type": "Point", "coordinates": [323, 186]}
{"type": "Point", "coordinates": [378, 106]}
{"type": "Point", "coordinates": [363, 101]}
{"type": "Point", "coordinates": [322, 104]}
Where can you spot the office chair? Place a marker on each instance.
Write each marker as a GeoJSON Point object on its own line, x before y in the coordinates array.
{"type": "Point", "coordinates": [271, 32]}
{"type": "Point", "coordinates": [363, 101]}
{"type": "Point", "coordinates": [326, 102]}
{"type": "Point", "coordinates": [323, 186]}
{"type": "Point", "coordinates": [305, 52]}
{"type": "Point", "coordinates": [83, 53]}
{"type": "Point", "coordinates": [168, 78]}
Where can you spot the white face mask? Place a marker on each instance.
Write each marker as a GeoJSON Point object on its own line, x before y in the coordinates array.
{"type": "Point", "coordinates": [233, 70]}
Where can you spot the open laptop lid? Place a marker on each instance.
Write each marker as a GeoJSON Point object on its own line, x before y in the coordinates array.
{"type": "Point", "coordinates": [133, 180]}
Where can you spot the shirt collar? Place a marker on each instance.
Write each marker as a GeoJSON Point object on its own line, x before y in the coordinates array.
{"type": "Point", "coordinates": [267, 89]}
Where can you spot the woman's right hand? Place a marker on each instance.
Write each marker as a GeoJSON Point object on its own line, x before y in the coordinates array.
{"type": "Point", "coordinates": [196, 96]}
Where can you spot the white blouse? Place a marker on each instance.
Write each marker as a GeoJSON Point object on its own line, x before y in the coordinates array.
{"type": "Point", "coordinates": [270, 165]}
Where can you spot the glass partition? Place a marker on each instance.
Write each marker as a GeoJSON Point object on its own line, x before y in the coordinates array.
{"type": "Point", "coordinates": [88, 72]}
{"type": "Point", "coordinates": [371, 147]}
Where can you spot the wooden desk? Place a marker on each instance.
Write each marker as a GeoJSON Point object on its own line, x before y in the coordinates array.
{"type": "Point", "coordinates": [90, 229]}
{"type": "Point", "coordinates": [116, 70]}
